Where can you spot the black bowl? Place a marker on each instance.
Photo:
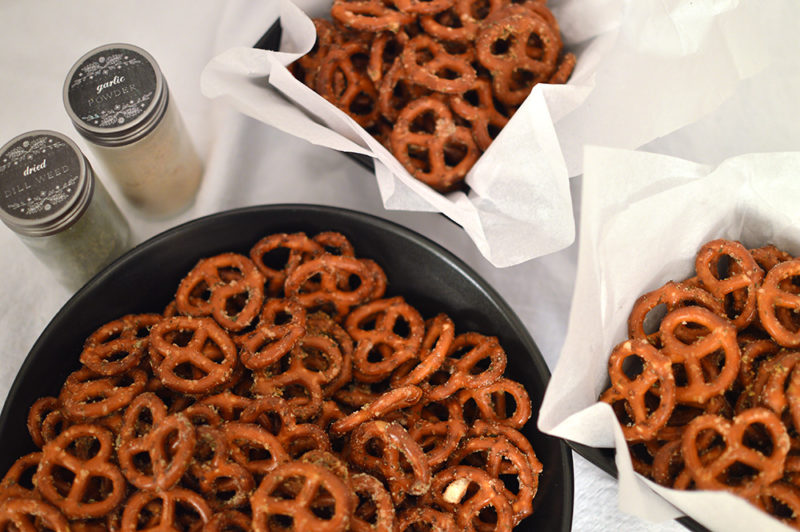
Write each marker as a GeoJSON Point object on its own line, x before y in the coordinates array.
{"type": "Point", "coordinates": [429, 277]}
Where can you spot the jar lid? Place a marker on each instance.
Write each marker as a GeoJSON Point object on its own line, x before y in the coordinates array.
{"type": "Point", "coordinates": [46, 183]}
{"type": "Point", "coordinates": [115, 94]}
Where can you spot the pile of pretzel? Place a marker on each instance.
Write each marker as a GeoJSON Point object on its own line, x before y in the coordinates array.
{"type": "Point", "coordinates": [279, 391]}
{"type": "Point", "coordinates": [709, 397]}
{"type": "Point", "coordinates": [434, 80]}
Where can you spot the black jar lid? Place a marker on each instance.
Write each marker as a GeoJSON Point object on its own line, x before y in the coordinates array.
{"type": "Point", "coordinates": [115, 94]}
{"type": "Point", "coordinates": [46, 183]}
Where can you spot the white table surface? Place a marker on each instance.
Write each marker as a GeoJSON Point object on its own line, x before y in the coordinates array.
{"type": "Point", "coordinates": [248, 163]}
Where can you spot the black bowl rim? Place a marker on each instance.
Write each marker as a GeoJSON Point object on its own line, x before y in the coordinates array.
{"type": "Point", "coordinates": [567, 471]}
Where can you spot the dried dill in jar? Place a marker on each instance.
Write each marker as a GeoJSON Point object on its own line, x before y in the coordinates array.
{"type": "Point", "coordinates": [51, 198]}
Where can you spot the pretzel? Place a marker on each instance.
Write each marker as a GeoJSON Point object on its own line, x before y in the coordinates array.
{"type": "Point", "coordinates": [225, 483]}
{"type": "Point", "coordinates": [373, 327]}
{"type": "Point", "coordinates": [306, 67]}
{"type": "Point", "coordinates": [227, 287]}
{"type": "Point", "coordinates": [773, 296]}
{"type": "Point", "coordinates": [769, 467]}
{"type": "Point", "coordinates": [439, 438]}
{"type": "Point", "coordinates": [226, 404]}
{"type": "Point", "coordinates": [73, 450]}
{"type": "Point", "coordinates": [166, 462]}
{"type": "Point", "coordinates": [118, 346]}
{"type": "Point", "coordinates": [451, 490]}
{"type": "Point", "coordinates": [384, 51]}
{"type": "Point", "coordinates": [242, 439]}
{"type": "Point", "coordinates": [26, 514]}
{"type": "Point", "coordinates": [343, 81]}
{"type": "Point", "coordinates": [427, 63]}
{"type": "Point", "coordinates": [485, 115]}
{"type": "Point", "coordinates": [768, 256]}
{"type": "Point", "coordinates": [321, 324]}
{"type": "Point", "coordinates": [396, 91]}
{"type": "Point", "coordinates": [281, 324]}
{"type": "Point", "coordinates": [439, 156]}
{"type": "Point", "coordinates": [672, 295]}
{"type": "Point", "coordinates": [656, 377]}
{"type": "Point", "coordinates": [439, 336]}
{"type": "Point", "coordinates": [369, 15]}
{"type": "Point", "coordinates": [87, 395]}
{"type": "Point", "coordinates": [395, 442]}
{"type": "Point", "coordinates": [491, 402]}
{"type": "Point", "coordinates": [228, 521]}
{"type": "Point", "coordinates": [292, 489]}
{"type": "Point", "coordinates": [160, 511]}
{"type": "Point", "coordinates": [377, 513]}
{"type": "Point", "coordinates": [745, 275]}
{"type": "Point", "coordinates": [514, 67]}
{"type": "Point", "coordinates": [300, 387]}
{"type": "Point", "coordinates": [388, 402]}
{"type": "Point", "coordinates": [466, 351]}
{"type": "Point", "coordinates": [426, 517]}
{"type": "Point", "coordinates": [497, 456]}
{"type": "Point", "coordinates": [786, 496]}
{"type": "Point", "coordinates": [277, 254]}
{"type": "Point", "coordinates": [460, 22]}
{"type": "Point", "coordinates": [14, 484]}
{"type": "Point", "coordinates": [209, 352]}
{"type": "Point", "coordinates": [45, 420]}
{"type": "Point", "coordinates": [332, 270]}
{"type": "Point", "coordinates": [721, 336]}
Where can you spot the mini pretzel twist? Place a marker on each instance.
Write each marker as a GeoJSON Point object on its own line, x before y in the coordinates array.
{"type": "Point", "coordinates": [515, 67]}
{"type": "Point", "coordinates": [167, 462]}
{"type": "Point", "coordinates": [774, 296]}
{"type": "Point", "coordinates": [210, 353]}
{"type": "Point", "coordinates": [227, 287]}
{"type": "Point", "coordinates": [118, 346]}
{"type": "Point", "coordinates": [29, 515]}
{"type": "Point", "coordinates": [440, 155]}
{"type": "Point", "coordinates": [467, 492]}
{"type": "Point", "coordinates": [74, 450]}
{"type": "Point", "coordinates": [741, 284]}
{"type": "Point", "coordinates": [394, 442]}
{"type": "Point", "coordinates": [711, 475]}
{"type": "Point", "coordinates": [656, 377]}
{"type": "Point", "coordinates": [721, 337]}
{"type": "Point", "coordinates": [165, 511]}
{"type": "Point", "coordinates": [281, 324]}
{"type": "Point", "coordinates": [383, 317]}
{"type": "Point", "coordinates": [293, 489]}
{"type": "Point", "coordinates": [466, 352]}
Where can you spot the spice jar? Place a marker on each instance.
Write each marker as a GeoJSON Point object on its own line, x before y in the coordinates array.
{"type": "Point", "coordinates": [51, 198]}
{"type": "Point", "coordinates": [119, 101]}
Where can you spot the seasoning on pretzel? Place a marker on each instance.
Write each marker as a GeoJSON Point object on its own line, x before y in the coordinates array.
{"type": "Point", "coordinates": [707, 386]}
{"type": "Point", "coordinates": [328, 405]}
{"type": "Point", "coordinates": [477, 60]}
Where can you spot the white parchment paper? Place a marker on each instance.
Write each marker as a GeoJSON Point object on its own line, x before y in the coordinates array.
{"type": "Point", "coordinates": [645, 68]}
{"type": "Point", "coordinates": [643, 218]}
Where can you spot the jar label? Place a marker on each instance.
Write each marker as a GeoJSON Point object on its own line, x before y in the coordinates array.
{"type": "Point", "coordinates": [112, 88]}
{"type": "Point", "coordinates": [39, 174]}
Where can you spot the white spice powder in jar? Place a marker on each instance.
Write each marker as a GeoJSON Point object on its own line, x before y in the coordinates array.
{"type": "Point", "coordinates": [118, 100]}
{"type": "Point", "coordinates": [51, 198]}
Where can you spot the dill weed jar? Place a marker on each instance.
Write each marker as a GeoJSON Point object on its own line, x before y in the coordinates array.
{"type": "Point", "coordinates": [50, 198]}
{"type": "Point", "coordinates": [118, 100]}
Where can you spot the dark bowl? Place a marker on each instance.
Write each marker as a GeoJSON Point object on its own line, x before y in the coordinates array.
{"type": "Point", "coordinates": [428, 276]}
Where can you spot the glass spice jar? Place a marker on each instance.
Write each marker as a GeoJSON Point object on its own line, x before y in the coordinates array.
{"type": "Point", "coordinates": [50, 197]}
{"type": "Point", "coordinates": [118, 100]}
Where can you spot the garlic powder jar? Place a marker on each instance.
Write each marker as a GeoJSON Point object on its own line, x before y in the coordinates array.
{"type": "Point", "coordinates": [118, 100]}
{"type": "Point", "coordinates": [51, 198]}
